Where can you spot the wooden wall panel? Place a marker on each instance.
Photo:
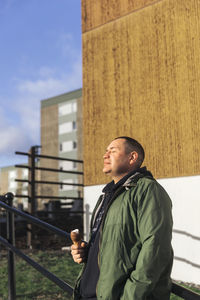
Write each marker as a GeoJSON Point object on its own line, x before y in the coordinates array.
{"type": "Point", "coordinates": [141, 78]}
{"type": "Point", "coordinates": [98, 12]}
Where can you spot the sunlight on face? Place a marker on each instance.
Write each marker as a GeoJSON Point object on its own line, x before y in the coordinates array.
{"type": "Point", "coordinates": [116, 160]}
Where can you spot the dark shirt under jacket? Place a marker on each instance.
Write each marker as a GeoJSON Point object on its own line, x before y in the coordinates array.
{"type": "Point", "coordinates": [91, 273]}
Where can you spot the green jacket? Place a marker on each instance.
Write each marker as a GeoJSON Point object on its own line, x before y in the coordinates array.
{"type": "Point", "coordinates": [135, 256]}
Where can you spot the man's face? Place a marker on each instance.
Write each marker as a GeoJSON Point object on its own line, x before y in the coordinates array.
{"type": "Point", "coordinates": [117, 162]}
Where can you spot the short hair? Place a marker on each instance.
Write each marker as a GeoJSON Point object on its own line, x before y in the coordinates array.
{"type": "Point", "coordinates": [133, 145]}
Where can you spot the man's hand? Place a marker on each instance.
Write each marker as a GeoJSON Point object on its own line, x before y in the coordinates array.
{"type": "Point", "coordinates": [79, 253]}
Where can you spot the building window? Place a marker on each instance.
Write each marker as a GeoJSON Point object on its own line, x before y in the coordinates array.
{"type": "Point", "coordinates": [68, 187]}
{"type": "Point", "coordinates": [67, 109]}
{"type": "Point", "coordinates": [25, 173]}
{"type": "Point", "coordinates": [74, 145]}
{"type": "Point", "coordinates": [12, 174]}
{"type": "Point", "coordinates": [67, 146]}
{"type": "Point", "coordinates": [74, 107]}
{"type": "Point", "coordinates": [65, 128]}
{"type": "Point", "coordinates": [74, 125]}
{"type": "Point", "coordinates": [12, 185]}
{"type": "Point", "coordinates": [24, 192]}
{"type": "Point", "coordinates": [25, 185]}
{"type": "Point", "coordinates": [66, 165]}
{"type": "Point", "coordinates": [74, 165]}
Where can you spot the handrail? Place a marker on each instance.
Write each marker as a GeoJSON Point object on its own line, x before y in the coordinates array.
{"type": "Point", "coordinates": [176, 289]}
{"type": "Point", "coordinates": [184, 292]}
{"type": "Point", "coordinates": [10, 244]}
{"type": "Point", "coordinates": [35, 220]}
{"type": "Point", "coordinates": [62, 284]}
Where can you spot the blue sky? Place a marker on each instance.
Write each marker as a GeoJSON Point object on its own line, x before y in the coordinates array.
{"type": "Point", "coordinates": [40, 57]}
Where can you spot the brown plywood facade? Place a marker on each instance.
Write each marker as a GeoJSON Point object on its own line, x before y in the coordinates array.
{"type": "Point", "coordinates": [99, 12]}
{"type": "Point", "coordinates": [141, 78]}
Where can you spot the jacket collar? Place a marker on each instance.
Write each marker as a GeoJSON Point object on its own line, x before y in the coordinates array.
{"type": "Point", "coordinates": [128, 180]}
{"type": "Point", "coordinates": [133, 178]}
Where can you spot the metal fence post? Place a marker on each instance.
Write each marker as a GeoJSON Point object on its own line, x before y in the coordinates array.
{"type": "Point", "coordinates": [11, 259]}
{"type": "Point", "coordinates": [31, 193]}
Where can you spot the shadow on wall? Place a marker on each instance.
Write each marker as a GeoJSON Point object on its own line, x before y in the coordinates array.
{"type": "Point", "coordinates": [184, 233]}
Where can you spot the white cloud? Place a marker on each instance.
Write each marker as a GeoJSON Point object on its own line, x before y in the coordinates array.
{"type": "Point", "coordinates": [12, 138]}
{"type": "Point", "coordinates": [20, 114]}
{"type": "Point", "coordinates": [19, 130]}
{"type": "Point", "coordinates": [41, 87]}
{"type": "Point", "coordinates": [48, 86]}
{"type": "Point", "coordinates": [46, 72]}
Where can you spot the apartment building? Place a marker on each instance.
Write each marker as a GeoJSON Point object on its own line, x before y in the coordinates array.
{"type": "Point", "coordinates": [8, 184]}
{"type": "Point", "coordinates": [61, 136]}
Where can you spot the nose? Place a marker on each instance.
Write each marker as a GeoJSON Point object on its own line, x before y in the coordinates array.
{"type": "Point", "coordinates": [106, 155]}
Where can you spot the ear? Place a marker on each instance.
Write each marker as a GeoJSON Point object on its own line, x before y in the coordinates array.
{"type": "Point", "coordinates": [133, 157]}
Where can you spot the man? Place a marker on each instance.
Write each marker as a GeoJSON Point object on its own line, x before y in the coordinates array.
{"type": "Point", "coordinates": [129, 255]}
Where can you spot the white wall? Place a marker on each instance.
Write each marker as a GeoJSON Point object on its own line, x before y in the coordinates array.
{"type": "Point", "coordinates": [185, 195]}
{"type": "Point", "coordinates": [91, 195]}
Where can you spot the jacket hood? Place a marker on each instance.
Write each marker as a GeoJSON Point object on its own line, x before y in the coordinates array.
{"type": "Point", "coordinates": [132, 179]}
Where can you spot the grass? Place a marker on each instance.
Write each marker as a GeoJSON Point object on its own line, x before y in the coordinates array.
{"type": "Point", "coordinates": [30, 284]}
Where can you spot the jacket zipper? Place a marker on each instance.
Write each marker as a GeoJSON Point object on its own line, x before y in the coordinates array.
{"type": "Point", "coordinates": [116, 194]}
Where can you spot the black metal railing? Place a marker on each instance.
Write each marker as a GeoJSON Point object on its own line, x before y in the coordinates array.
{"type": "Point", "coordinates": [73, 203]}
{"type": "Point", "coordinates": [184, 293]}
{"type": "Point", "coordinates": [9, 243]}
{"type": "Point", "coordinates": [32, 181]}
{"type": "Point", "coordinates": [6, 203]}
